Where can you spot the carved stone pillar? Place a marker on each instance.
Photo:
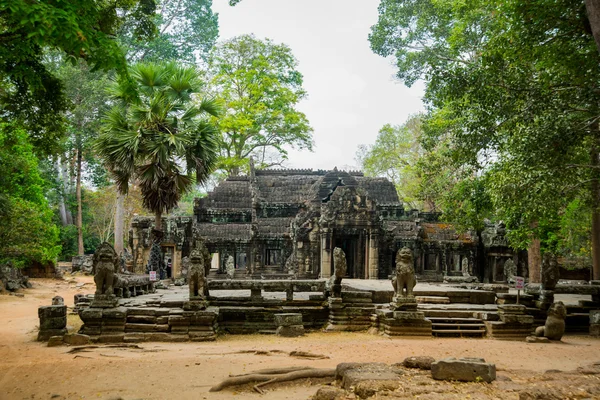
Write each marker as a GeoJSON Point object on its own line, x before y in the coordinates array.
{"type": "Point", "coordinates": [325, 253]}
{"type": "Point", "coordinates": [373, 256]}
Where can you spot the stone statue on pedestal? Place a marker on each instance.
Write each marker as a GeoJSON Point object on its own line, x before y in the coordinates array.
{"type": "Point", "coordinates": [404, 280]}
{"type": "Point", "coordinates": [196, 276]}
{"type": "Point", "coordinates": [339, 266]}
{"type": "Point", "coordinates": [106, 264]}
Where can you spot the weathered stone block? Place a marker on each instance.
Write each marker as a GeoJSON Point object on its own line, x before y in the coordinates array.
{"type": "Point", "coordinates": [54, 341]}
{"type": "Point", "coordinates": [115, 313]}
{"type": "Point", "coordinates": [353, 374]}
{"type": "Point", "coordinates": [511, 309]}
{"type": "Point", "coordinates": [162, 320]}
{"type": "Point", "coordinates": [178, 320]}
{"type": "Point", "coordinates": [53, 323]}
{"type": "Point", "coordinates": [114, 338]}
{"type": "Point", "coordinates": [52, 311]}
{"type": "Point", "coordinates": [76, 339]}
{"type": "Point", "coordinates": [140, 328]}
{"type": "Point", "coordinates": [420, 362]}
{"type": "Point", "coordinates": [595, 330]}
{"type": "Point", "coordinates": [180, 329]}
{"type": "Point", "coordinates": [516, 319]}
{"type": "Point", "coordinates": [594, 316]}
{"type": "Point", "coordinates": [409, 315]}
{"type": "Point", "coordinates": [290, 331]}
{"type": "Point", "coordinates": [91, 314]}
{"type": "Point", "coordinates": [44, 335]}
{"type": "Point", "coordinates": [288, 319]}
{"type": "Point", "coordinates": [143, 319]}
{"type": "Point", "coordinates": [464, 369]}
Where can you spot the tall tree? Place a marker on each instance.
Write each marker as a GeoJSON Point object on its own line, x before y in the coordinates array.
{"type": "Point", "coordinates": [86, 93]}
{"type": "Point", "coordinates": [80, 29]}
{"type": "Point", "coordinates": [260, 86]}
{"type": "Point", "coordinates": [183, 31]}
{"type": "Point", "coordinates": [395, 155]}
{"type": "Point", "coordinates": [514, 86]}
{"type": "Point", "coordinates": [158, 125]}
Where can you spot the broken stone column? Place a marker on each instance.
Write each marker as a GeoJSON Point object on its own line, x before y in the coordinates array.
{"type": "Point", "coordinates": [289, 325]}
{"type": "Point", "coordinates": [514, 323]}
{"type": "Point", "coordinates": [53, 321]}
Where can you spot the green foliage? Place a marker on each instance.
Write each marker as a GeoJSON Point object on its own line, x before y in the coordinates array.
{"type": "Point", "coordinates": [512, 92]}
{"type": "Point", "coordinates": [182, 31]}
{"type": "Point", "coordinates": [260, 87]}
{"type": "Point", "coordinates": [157, 124]}
{"type": "Point", "coordinates": [27, 233]}
{"type": "Point", "coordinates": [395, 155]}
{"type": "Point", "coordinates": [79, 29]}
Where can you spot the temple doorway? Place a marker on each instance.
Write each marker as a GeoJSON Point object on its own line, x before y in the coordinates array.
{"type": "Point", "coordinates": [350, 245]}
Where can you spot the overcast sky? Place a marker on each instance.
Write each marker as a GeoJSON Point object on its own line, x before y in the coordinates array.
{"type": "Point", "coordinates": [351, 91]}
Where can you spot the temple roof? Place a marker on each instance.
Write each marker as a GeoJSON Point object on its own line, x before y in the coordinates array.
{"type": "Point", "coordinates": [295, 187]}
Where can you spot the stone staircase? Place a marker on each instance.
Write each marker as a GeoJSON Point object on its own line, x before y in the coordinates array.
{"type": "Point", "coordinates": [448, 322]}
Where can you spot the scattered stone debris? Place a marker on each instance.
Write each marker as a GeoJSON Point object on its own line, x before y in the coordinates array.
{"type": "Point", "coordinates": [463, 369]}
{"type": "Point", "coordinates": [420, 362]}
{"type": "Point", "coordinates": [12, 279]}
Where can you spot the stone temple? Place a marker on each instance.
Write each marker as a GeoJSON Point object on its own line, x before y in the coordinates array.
{"type": "Point", "coordinates": [286, 223]}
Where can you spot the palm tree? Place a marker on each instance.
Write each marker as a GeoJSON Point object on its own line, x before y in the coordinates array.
{"type": "Point", "coordinates": [155, 127]}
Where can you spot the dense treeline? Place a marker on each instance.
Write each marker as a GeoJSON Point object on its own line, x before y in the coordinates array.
{"type": "Point", "coordinates": [511, 130]}
{"type": "Point", "coordinates": [108, 110]}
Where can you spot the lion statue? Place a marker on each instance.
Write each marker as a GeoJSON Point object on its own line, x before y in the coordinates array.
{"type": "Point", "coordinates": [339, 266]}
{"type": "Point", "coordinates": [196, 275]}
{"type": "Point", "coordinates": [404, 280]}
{"type": "Point", "coordinates": [554, 329]}
{"type": "Point", "coordinates": [106, 263]}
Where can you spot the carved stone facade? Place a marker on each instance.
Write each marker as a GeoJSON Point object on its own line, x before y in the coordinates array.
{"type": "Point", "coordinates": [286, 223]}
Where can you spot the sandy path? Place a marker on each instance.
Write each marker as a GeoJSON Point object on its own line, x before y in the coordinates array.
{"type": "Point", "coordinates": [30, 370]}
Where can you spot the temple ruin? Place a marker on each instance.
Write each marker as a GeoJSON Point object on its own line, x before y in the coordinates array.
{"type": "Point", "coordinates": [286, 223]}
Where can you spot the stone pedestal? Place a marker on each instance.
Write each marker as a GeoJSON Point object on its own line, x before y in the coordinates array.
{"type": "Point", "coordinates": [350, 312]}
{"type": "Point", "coordinates": [403, 303]}
{"type": "Point", "coordinates": [403, 323]}
{"type": "Point", "coordinates": [53, 321]}
{"type": "Point", "coordinates": [105, 301]}
{"type": "Point", "coordinates": [514, 324]}
{"type": "Point", "coordinates": [289, 325]}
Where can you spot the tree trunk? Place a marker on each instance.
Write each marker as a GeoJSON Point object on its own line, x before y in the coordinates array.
{"type": "Point", "coordinates": [595, 196]}
{"type": "Point", "coordinates": [80, 250]}
{"type": "Point", "coordinates": [158, 221]}
{"type": "Point", "coordinates": [62, 208]}
{"type": "Point", "coordinates": [66, 188]}
{"type": "Point", "coordinates": [534, 259]}
{"type": "Point", "coordinates": [593, 12]}
{"type": "Point", "coordinates": [119, 222]}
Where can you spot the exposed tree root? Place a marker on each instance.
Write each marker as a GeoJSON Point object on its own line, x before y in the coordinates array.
{"type": "Point", "coordinates": [278, 375]}
{"type": "Point", "coordinates": [275, 370]}
{"type": "Point", "coordinates": [80, 349]}
{"type": "Point", "coordinates": [305, 354]}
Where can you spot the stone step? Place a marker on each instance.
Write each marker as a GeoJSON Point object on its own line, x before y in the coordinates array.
{"type": "Point", "coordinates": [432, 300]}
{"type": "Point", "coordinates": [463, 320]}
{"type": "Point", "coordinates": [457, 326]}
{"type": "Point", "coordinates": [458, 332]}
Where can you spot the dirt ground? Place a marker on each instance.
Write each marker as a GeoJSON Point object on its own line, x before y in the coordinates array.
{"type": "Point", "coordinates": [30, 370]}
